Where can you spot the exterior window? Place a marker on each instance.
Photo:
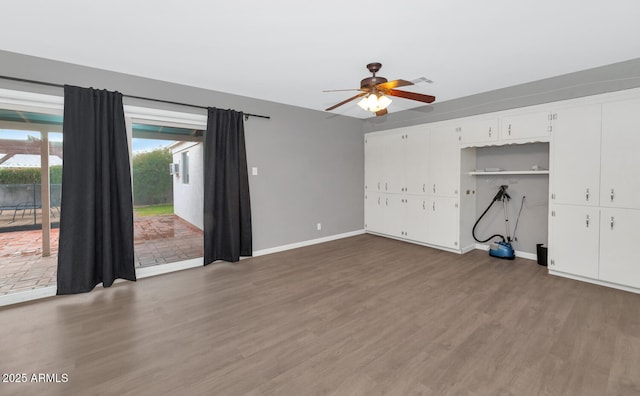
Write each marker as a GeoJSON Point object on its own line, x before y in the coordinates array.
{"type": "Point", "coordinates": [185, 167]}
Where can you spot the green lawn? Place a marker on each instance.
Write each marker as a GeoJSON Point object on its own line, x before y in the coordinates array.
{"type": "Point", "coordinates": [154, 210]}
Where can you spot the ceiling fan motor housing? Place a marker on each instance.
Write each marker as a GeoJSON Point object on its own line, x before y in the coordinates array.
{"type": "Point", "coordinates": [371, 82]}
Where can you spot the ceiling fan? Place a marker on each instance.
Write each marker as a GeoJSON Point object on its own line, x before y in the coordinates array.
{"type": "Point", "coordinates": [376, 91]}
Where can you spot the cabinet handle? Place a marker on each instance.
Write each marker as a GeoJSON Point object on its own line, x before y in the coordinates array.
{"type": "Point", "coordinates": [509, 130]}
{"type": "Point", "coordinates": [423, 187]}
{"type": "Point", "coordinates": [385, 186]}
{"type": "Point", "coordinates": [587, 221]}
{"type": "Point", "coordinates": [423, 205]}
{"type": "Point", "coordinates": [611, 222]}
{"type": "Point", "coordinates": [386, 201]}
{"type": "Point", "coordinates": [434, 188]}
{"type": "Point", "coordinates": [378, 186]}
{"type": "Point", "coordinates": [378, 201]}
{"type": "Point", "coordinates": [489, 131]}
{"type": "Point", "coordinates": [612, 194]}
{"type": "Point", "coordinates": [434, 206]}
{"type": "Point", "coordinates": [587, 195]}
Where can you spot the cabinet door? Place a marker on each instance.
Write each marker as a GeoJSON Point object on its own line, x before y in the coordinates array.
{"type": "Point", "coordinates": [619, 262]}
{"type": "Point", "coordinates": [620, 162]}
{"type": "Point", "coordinates": [478, 131]}
{"type": "Point", "coordinates": [443, 222]}
{"type": "Point", "coordinates": [394, 162]}
{"type": "Point", "coordinates": [373, 163]}
{"type": "Point", "coordinates": [576, 156]}
{"type": "Point", "coordinates": [417, 218]}
{"type": "Point", "coordinates": [393, 213]}
{"type": "Point", "coordinates": [417, 161]}
{"type": "Point", "coordinates": [574, 245]}
{"type": "Point", "coordinates": [373, 212]}
{"type": "Point", "coordinates": [525, 126]}
{"type": "Point", "coordinates": [444, 162]}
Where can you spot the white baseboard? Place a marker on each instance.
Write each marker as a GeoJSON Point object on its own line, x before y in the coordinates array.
{"type": "Point", "coordinates": [146, 272]}
{"type": "Point", "coordinates": [28, 295]}
{"type": "Point", "coordinates": [525, 255]}
{"type": "Point", "coordinates": [594, 281]}
{"type": "Point", "coordinates": [310, 242]}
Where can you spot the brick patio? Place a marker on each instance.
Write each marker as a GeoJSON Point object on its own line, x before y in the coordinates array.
{"type": "Point", "coordinates": [158, 240]}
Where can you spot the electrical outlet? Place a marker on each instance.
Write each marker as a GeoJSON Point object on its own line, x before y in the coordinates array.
{"type": "Point", "coordinates": [254, 171]}
{"type": "Point", "coordinates": [319, 226]}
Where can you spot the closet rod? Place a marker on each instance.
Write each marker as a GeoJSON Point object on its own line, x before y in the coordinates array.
{"type": "Point", "coordinates": [126, 96]}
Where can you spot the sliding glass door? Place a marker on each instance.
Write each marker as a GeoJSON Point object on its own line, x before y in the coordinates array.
{"type": "Point", "coordinates": [167, 193]}
{"type": "Point", "coordinates": [30, 188]}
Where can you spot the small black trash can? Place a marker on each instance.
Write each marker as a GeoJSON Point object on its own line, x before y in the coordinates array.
{"type": "Point", "coordinates": [542, 254]}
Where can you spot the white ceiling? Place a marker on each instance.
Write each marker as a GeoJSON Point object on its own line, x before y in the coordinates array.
{"type": "Point", "coordinates": [288, 51]}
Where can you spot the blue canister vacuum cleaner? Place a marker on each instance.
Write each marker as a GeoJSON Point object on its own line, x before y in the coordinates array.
{"type": "Point", "coordinates": [501, 249]}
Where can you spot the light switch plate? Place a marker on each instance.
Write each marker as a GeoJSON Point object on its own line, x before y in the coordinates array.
{"type": "Point", "coordinates": [254, 171]}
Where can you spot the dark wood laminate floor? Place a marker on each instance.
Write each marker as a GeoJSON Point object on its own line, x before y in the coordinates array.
{"type": "Point", "coordinates": [359, 316]}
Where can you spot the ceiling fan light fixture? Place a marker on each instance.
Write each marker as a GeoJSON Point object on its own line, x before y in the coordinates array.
{"type": "Point", "coordinates": [374, 103]}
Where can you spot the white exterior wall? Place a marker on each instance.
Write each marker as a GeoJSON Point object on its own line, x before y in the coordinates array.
{"type": "Point", "coordinates": [188, 198]}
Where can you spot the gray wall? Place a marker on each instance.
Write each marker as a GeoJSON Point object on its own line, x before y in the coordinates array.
{"type": "Point", "coordinates": [310, 163]}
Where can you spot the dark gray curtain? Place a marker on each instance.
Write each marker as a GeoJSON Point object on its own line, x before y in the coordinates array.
{"type": "Point", "coordinates": [96, 220]}
{"type": "Point", "coordinates": [227, 207]}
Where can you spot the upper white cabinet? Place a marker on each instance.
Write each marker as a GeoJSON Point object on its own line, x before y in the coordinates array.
{"type": "Point", "coordinates": [478, 131]}
{"type": "Point", "coordinates": [620, 163]}
{"type": "Point", "coordinates": [576, 156]}
{"type": "Point", "coordinates": [525, 126]}
{"type": "Point", "coordinates": [416, 160]}
{"type": "Point", "coordinates": [444, 162]}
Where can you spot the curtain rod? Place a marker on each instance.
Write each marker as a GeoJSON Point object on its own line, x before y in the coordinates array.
{"type": "Point", "coordinates": [246, 115]}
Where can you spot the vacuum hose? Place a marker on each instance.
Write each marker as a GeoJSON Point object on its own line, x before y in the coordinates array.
{"type": "Point", "coordinates": [500, 196]}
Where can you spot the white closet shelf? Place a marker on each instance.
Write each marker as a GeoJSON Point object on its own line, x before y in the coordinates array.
{"type": "Point", "coordinates": [509, 172]}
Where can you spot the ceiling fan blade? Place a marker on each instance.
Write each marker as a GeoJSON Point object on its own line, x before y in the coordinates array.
{"type": "Point", "coordinates": [410, 95]}
{"type": "Point", "coordinates": [394, 84]}
{"type": "Point", "coordinates": [342, 90]}
{"type": "Point", "coordinates": [346, 101]}
{"type": "Point", "coordinates": [381, 112]}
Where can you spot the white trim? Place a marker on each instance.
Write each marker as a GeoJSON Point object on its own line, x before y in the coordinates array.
{"type": "Point", "coordinates": [594, 281]}
{"type": "Point", "coordinates": [21, 100]}
{"type": "Point", "coordinates": [524, 255]}
{"type": "Point", "coordinates": [29, 295]}
{"type": "Point", "coordinates": [310, 242]}
{"type": "Point", "coordinates": [165, 117]}
{"type": "Point", "coordinates": [146, 272]}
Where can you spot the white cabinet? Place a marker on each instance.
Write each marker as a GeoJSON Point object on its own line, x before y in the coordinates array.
{"type": "Point", "coordinates": [444, 162]}
{"type": "Point", "coordinates": [373, 212]}
{"type": "Point", "coordinates": [595, 215]}
{"type": "Point", "coordinates": [412, 178]}
{"type": "Point", "coordinates": [478, 131]}
{"type": "Point", "coordinates": [443, 218]}
{"type": "Point", "coordinates": [576, 230]}
{"type": "Point", "coordinates": [418, 222]}
{"type": "Point", "coordinates": [620, 163]}
{"type": "Point", "coordinates": [373, 163]}
{"type": "Point", "coordinates": [416, 159]}
{"type": "Point", "coordinates": [576, 156]}
{"type": "Point", "coordinates": [619, 262]}
{"type": "Point", "coordinates": [525, 126]}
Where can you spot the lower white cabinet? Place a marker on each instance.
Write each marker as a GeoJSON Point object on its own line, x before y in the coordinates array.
{"type": "Point", "coordinates": [619, 262]}
{"type": "Point", "coordinates": [576, 230]}
{"type": "Point", "coordinates": [424, 219]}
{"type": "Point", "coordinates": [373, 212]}
{"type": "Point", "coordinates": [444, 228]}
{"type": "Point", "coordinates": [596, 243]}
